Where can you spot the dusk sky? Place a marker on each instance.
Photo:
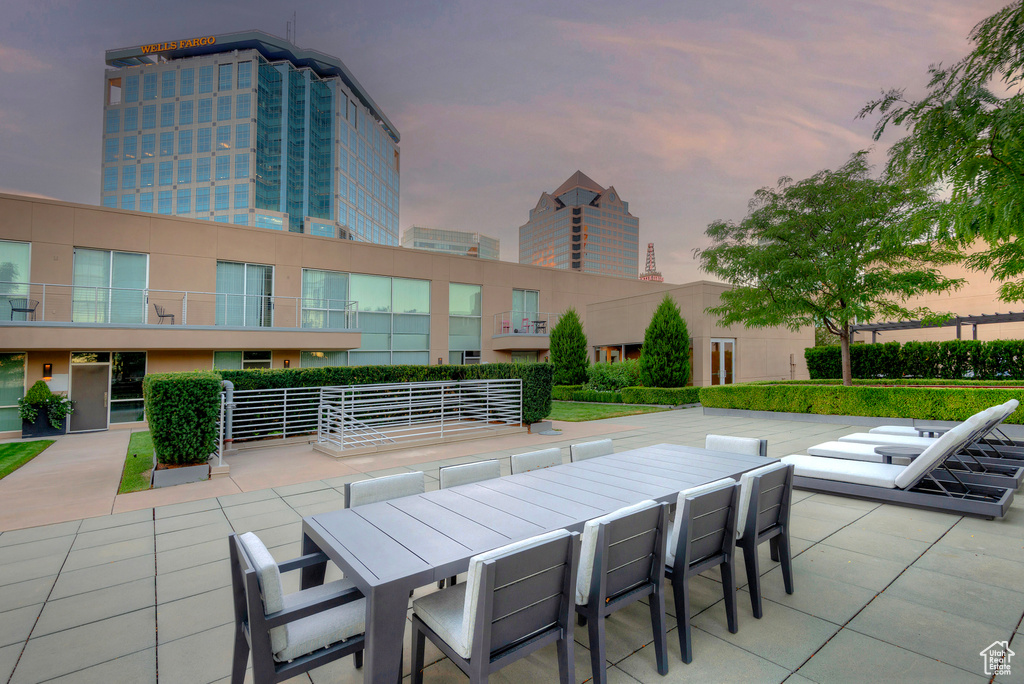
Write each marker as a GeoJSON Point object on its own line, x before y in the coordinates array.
{"type": "Point", "coordinates": [685, 107]}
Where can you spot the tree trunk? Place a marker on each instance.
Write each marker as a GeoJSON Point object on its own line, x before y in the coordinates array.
{"type": "Point", "coordinates": [844, 345]}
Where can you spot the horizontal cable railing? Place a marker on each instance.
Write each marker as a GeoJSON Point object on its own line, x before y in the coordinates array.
{"type": "Point", "coordinates": [369, 415]}
{"type": "Point", "coordinates": [524, 322]}
{"type": "Point", "coordinates": [269, 413]}
{"type": "Point", "coordinates": [88, 304]}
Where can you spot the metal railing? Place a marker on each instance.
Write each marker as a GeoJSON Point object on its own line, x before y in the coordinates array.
{"type": "Point", "coordinates": [86, 304]}
{"type": "Point", "coordinates": [274, 413]}
{"type": "Point", "coordinates": [370, 415]}
{"type": "Point", "coordinates": [524, 322]}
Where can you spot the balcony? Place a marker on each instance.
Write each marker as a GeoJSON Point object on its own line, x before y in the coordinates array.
{"type": "Point", "coordinates": [86, 317]}
{"type": "Point", "coordinates": [522, 330]}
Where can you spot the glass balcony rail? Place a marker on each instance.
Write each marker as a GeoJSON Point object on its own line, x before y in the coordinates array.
{"type": "Point", "coordinates": [517, 322]}
{"type": "Point", "coordinates": [22, 303]}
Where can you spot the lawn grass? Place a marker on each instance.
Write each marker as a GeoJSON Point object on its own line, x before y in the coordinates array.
{"type": "Point", "coordinates": [576, 412]}
{"type": "Point", "coordinates": [16, 454]}
{"type": "Point", "coordinates": [137, 464]}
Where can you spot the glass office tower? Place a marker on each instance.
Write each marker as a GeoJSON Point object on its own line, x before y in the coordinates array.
{"type": "Point", "coordinates": [582, 227]}
{"type": "Point", "coordinates": [452, 242]}
{"type": "Point", "coordinates": [250, 129]}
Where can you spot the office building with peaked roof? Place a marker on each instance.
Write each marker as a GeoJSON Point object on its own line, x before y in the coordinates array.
{"type": "Point", "coordinates": [582, 226]}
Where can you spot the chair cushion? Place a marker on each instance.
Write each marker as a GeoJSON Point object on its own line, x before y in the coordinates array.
{"type": "Point", "coordinates": [898, 430]}
{"type": "Point", "coordinates": [673, 537]}
{"type": "Point", "coordinates": [466, 473]}
{"type": "Point", "coordinates": [746, 488]}
{"type": "Point", "coordinates": [269, 577]}
{"type": "Point", "coordinates": [734, 445]}
{"type": "Point", "coordinates": [841, 470]}
{"type": "Point", "coordinates": [321, 629]}
{"type": "Point", "coordinates": [601, 447]}
{"type": "Point", "coordinates": [588, 550]}
{"type": "Point", "coordinates": [852, 451]}
{"type": "Point", "coordinates": [877, 438]}
{"type": "Point", "coordinates": [534, 460]}
{"type": "Point", "coordinates": [385, 488]}
{"type": "Point", "coordinates": [939, 450]}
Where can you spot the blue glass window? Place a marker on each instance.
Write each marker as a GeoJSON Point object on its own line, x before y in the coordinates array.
{"type": "Point", "coordinates": [110, 149]}
{"type": "Point", "coordinates": [163, 202]}
{"type": "Point", "coordinates": [206, 79]}
{"type": "Point", "coordinates": [166, 173]}
{"type": "Point", "coordinates": [242, 136]}
{"type": "Point", "coordinates": [149, 145]}
{"type": "Point", "coordinates": [131, 119]}
{"type": "Point", "coordinates": [203, 140]}
{"type": "Point", "coordinates": [185, 113]}
{"type": "Point", "coordinates": [113, 120]}
{"type": "Point", "coordinates": [223, 168]}
{"type": "Point", "coordinates": [221, 195]}
{"type": "Point", "coordinates": [205, 110]}
{"type": "Point", "coordinates": [146, 177]}
{"type": "Point", "coordinates": [110, 201]}
{"type": "Point", "coordinates": [184, 203]}
{"type": "Point", "coordinates": [242, 196]}
{"type": "Point", "coordinates": [187, 81]}
{"type": "Point", "coordinates": [242, 106]}
{"type": "Point", "coordinates": [241, 219]}
{"type": "Point", "coordinates": [342, 186]}
{"type": "Point", "coordinates": [242, 165]}
{"type": "Point", "coordinates": [224, 138]}
{"type": "Point", "coordinates": [146, 202]}
{"type": "Point", "coordinates": [224, 108]}
{"type": "Point", "coordinates": [149, 117]}
{"type": "Point", "coordinates": [184, 171]}
{"type": "Point", "coordinates": [167, 84]}
{"type": "Point", "coordinates": [184, 142]}
{"type": "Point", "coordinates": [128, 202]}
{"type": "Point", "coordinates": [131, 147]}
{"type": "Point", "coordinates": [110, 179]}
{"type": "Point", "coordinates": [167, 144]}
{"type": "Point", "coordinates": [202, 199]}
{"type": "Point", "coordinates": [244, 75]}
{"type": "Point", "coordinates": [131, 89]}
{"type": "Point", "coordinates": [128, 178]}
{"type": "Point", "coordinates": [149, 87]}
{"type": "Point", "coordinates": [166, 115]}
{"type": "Point", "coordinates": [224, 76]}
{"type": "Point", "coordinates": [203, 170]}
{"type": "Point", "coordinates": [221, 219]}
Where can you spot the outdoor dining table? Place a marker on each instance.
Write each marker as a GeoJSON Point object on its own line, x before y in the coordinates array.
{"type": "Point", "coordinates": [391, 547]}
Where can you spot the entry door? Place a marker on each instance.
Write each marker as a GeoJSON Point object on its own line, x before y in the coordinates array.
{"type": "Point", "coordinates": [722, 361]}
{"type": "Point", "coordinates": [90, 387]}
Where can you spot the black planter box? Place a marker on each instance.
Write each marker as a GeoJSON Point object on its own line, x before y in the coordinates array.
{"type": "Point", "coordinates": [40, 427]}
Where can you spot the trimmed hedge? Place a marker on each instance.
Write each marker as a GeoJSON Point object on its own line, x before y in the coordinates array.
{"type": "Point", "coordinates": [564, 392]}
{"type": "Point", "coordinates": [182, 410]}
{"type": "Point", "coordinates": [898, 382]}
{"type": "Point", "coordinates": [672, 396]}
{"type": "Point", "coordinates": [951, 359]}
{"type": "Point", "coordinates": [921, 403]}
{"type": "Point", "coordinates": [598, 397]}
{"type": "Point", "coordinates": [612, 377]}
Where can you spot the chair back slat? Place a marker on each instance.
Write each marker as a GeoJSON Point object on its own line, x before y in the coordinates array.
{"type": "Point", "coordinates": [527, 591]}
{"type": "Point", "coordinates": [640, 545]}
{"type": "Point", "coordinates": [525, 623]}
{"type": "Point", "coordinates": [383, 488]}
{"type": "Point", "coordinates": [627, 576]}
{"type": "Point", "coordinates": [710, 519]}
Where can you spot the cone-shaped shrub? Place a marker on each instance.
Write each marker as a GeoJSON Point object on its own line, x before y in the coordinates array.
{"type": "Point", "coordinates": [569, 350]}
{"type": "Point", "coordinates": [665, 357]}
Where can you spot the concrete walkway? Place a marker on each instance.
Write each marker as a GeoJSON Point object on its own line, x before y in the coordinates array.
{"type": "Point", "coordinates": [882, 592]}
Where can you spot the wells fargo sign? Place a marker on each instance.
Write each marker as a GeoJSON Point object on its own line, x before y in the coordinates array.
{"type": "Point", "coordinates": [179, 44]}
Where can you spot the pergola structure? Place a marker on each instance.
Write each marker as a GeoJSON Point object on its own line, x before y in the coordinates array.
{"type": "Point", "coordinates": [958, 321]}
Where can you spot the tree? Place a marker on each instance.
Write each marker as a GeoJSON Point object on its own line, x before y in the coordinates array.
{"type": "Point", "coordinates": [665, 356]}
{"type": "Point", "coordinates": [828, 251]}
{"type": "Point", "coordinates": [967, 138]}
{"type": "Point", "coordinates": [569, 357]}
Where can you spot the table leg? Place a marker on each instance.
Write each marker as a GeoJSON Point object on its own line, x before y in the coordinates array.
{"type": "Point", "coordinates": [386, 608]}
{"type": "Point", "coordinates": [311, 575]}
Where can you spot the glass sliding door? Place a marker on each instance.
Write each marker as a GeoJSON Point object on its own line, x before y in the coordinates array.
{"type": "Point", "coordinates": [90, 297]}
{"type": "Point", "coordinates": [722, 358]}
{"type": "Point", "coordinates": [15, 275]}
{"type": "Point", "coordinates": [12, 388]}
{"type": "Point", "coordinates": [324, 296]}
{"type": "Point", "coordinates": [128, 281]}
{"type": "Point", "coordinates": [524, 309]}
{"type": "Point", "coordinates": [109, 287]}
{"type": "Point", "coordinates": [244, 294]}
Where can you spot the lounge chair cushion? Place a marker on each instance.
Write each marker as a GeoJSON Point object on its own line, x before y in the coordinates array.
{"type": "Point", "coordinates": [673, 537]}
{"type": "Point", "coordinates": [853, 451]}
{"type": "Point", "coordinates": [892, 440]}
{"type": "Point", "coordinates": [938, 451]}
{"type": "Point", "coordinates": [467, 473]}
{"type": "Point", "coordinates": [734, 445]}
{"type": "Point", "coordinates": [746, 487]}
{"type": "Point", "coordinates": [588, 550]}
{"type": "Point", "coordinates": [854, 472]}
{"type": "Point", "coordinates": [321, 629]}
{"type": "Point", "coordinates": [895, 430]}
{"type": "Point", "coordinates": [534, 460]}
{"type": "Point", "coordinates": [581, 452]}
{"type": "Point", "coordinates": [385, 488]}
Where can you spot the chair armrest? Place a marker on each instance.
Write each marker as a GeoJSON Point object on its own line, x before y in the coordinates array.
{"type": "Point", "coordinates": [303, 561]}
{"type": "Point", "coordinates": [311, 607]}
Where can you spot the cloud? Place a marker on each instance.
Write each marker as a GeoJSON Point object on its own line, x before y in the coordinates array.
{"type": "Point", "coordinates": [15, 60]}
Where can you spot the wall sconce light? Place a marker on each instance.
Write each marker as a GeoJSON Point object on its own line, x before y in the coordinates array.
{"type": "Point", "coordinates": [287, 363]}
{"type": "Point", "coordinates": [47, 371]}
{"type": "Point", "coordinates": [439, 361]}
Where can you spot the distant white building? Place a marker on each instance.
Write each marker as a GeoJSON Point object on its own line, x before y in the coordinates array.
{"type": "Point", "coordinates": [452, 242]}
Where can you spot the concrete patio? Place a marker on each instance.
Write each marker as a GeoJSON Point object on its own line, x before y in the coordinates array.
{"type": "Point", "coordinates": [881, 592]}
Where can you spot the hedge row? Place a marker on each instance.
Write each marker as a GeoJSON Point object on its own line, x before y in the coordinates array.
{"type": "Point", "coordinates": [673, 396]}
{"type": "Point", "coordinates": [951, 359]}
{"type": "Point", "coordinates": [899, 382]}
{"type": "Point", "coordinates": [564, 392]}
{"type": "Point", "coordinates": [920, 403]}
{"type": "Point", "coordinates": [613, 377]}
{"type": "Point", "coordinates": [598, 397]}
{"type": "Point", "coordinates": [182, 410]}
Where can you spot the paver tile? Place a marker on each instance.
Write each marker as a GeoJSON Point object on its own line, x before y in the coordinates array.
{"type": "Point", "coordinates": [194, 614]}
{"type": "Point", "coordinates": [232, 500]}
{"type": "Point", "coordinates": [813, 529]}
{"type": "Point", "coordinates": [188, 521]}
{"type": "Point", "coordinates": [824, 597]}
{"type": "Point", "coordinates": [172, 510]}
{"type": "Point", "coordinates": [950, 560]}
{"type": "Point", "coordinates": [191, 581]}
{"type": "Point", "coordinates": [25, 593]}
{"type": "Point", "coordinates": [910, 523]}
{"type": "Point", "coordinates": [20, 571]}
{"type": "Point", "coordinates": [108, 553]}
{"type": "Point", "coordinates": [117, 520]}
{"type": "Point", "coordinates": [192, 536]}
{"type": "Point", "coordinates": [297, 501]}
{"type": "Point", "coordinates": [202, 657]}
{"type": "Point", "coordinates": [8, 659]}
{"type": "Point", "coordinates": [30, 534]}
{"type": "Point", "coordinates": [15, 625]}
{"type": "Point", "coordinates": [988, 543]}
{"type": "Point", "coordinates": [57, 546]}
{"type": "Point", "coordinates": [92, 606]}
{"type": "Point", "coordinates": [960, 596]}
{"type": "Point", "coordinates": [301, 488]}
{"type": "Point", "coordinates": [626, 631]}
{"type": "Point", "coordinates": [137, 668]}
{"type": "Point", "coordinates": [877, 544]}
{"type": "Point", "coordinates": [101, 576]}
{"type": "Point", "coordinates": [854, 568]}
{"type": "Point", "coordinates": [265, 520]}
{"type": "Point", "coordinates": [191, 556]}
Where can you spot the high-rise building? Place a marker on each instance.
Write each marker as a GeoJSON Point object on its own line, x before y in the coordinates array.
{"type": "Point", "coordinates": [452, 242]}
{"type": "Point", "coordinates": [582, 227]}
{"type": "Point", "coordinates": [249, 129]}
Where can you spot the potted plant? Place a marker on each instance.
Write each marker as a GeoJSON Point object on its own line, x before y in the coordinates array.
{"type": "Point", "coordinates": [42, 412]}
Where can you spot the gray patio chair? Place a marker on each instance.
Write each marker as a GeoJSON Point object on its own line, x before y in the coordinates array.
{"type": "Point", "coordinates": [585, 450]}
{"type": "Point", "coordinates": [703, 536]}
{"type": "Point", "coordinates": [516, 599]}
{"type": "Point", "coordinates": [752, 446]}
{"type": "Point", "coordinates": [622, 560]}
{"type": "Point", "coordinates": [466, 473]}
{"type": "Point", "coordinates": [289, 633]}
{"type": "Point", "coordinates": [765, 496]}
{"type": "Point", "coordinates": [383, 488]}
{"type": "Point", "coordinates": [534, 460]}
